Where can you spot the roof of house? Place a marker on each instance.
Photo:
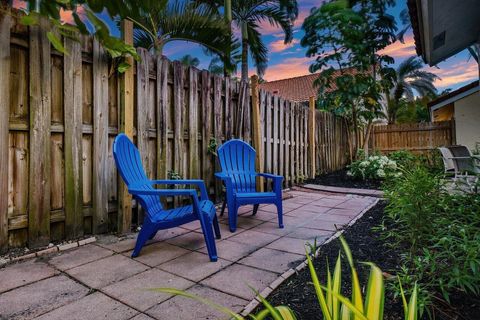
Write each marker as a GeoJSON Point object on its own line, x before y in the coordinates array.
{"type": "Point", "coordinates": [413, 12]}
{"type": "Point", "coordinates": [454, 95]}
{"type": "Point", "coordinates": [297, 89]}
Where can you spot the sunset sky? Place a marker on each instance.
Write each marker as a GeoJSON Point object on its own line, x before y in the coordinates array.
{"type": "Point", "coordinates": [286, 61]}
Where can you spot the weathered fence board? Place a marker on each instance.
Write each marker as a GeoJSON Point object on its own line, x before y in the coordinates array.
{"type": "Point", "coordinates": [415, 137]}
{"type": "Point", "coordinates": [72, 78]}
{"type": "Point", "coordinates": [4, 119]}
{"type": "Point", "coordinates": [40, 115]}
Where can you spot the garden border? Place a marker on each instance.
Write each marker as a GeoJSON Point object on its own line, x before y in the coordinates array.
{"type": "Point", "coordinates": [56, 248]}
{"type": "Point", "coordinates": [252, 305]}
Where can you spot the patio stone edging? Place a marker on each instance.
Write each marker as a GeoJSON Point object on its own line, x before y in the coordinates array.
{"type": "Point", "coordinates": [342, 190]}
{"type": "Point", "coordinates": [56, 248]}
{"type": "Point", "coordinates": [252, 305]}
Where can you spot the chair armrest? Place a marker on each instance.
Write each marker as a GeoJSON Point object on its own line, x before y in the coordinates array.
{"type": "Point", "coordinates": [136, 191]}
{"type": "Point", "coordinates": [199, 183]}
{"type": "Point", "coordinates": [270, 176]}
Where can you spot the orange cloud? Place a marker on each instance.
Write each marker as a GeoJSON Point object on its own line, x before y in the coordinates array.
{"type": "Point", "coordinates": [66, 16]}
{"type": "Point", "coordinates": [288, 68]}
{"type": "Point", "coordinates": [401, 50]}
{"type": "Point", "coordinates": [279, 45]}
{"type": "Point", "coordinates": [456, 74]}
{"type": "Point", "coordinates": [267, 29]}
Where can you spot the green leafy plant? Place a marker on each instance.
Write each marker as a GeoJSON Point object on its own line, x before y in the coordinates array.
{"type": "Point", "coordinates": [312, 248]}
{"type": "Point", "coordinates": [439, 232]}
{"type": "Point", "coordinates": [212, 146]}
{"type": "Point", "coordinates": [333, 304]}
{"type": "Point", "coordinates": [173, 175]}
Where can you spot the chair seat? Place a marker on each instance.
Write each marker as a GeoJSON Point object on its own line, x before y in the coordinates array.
{"type": "Point", "coordinates": [255, 195]}
{"type": "Point", "coordinates": [206, 207]}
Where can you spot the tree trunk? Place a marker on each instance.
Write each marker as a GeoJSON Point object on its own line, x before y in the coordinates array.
{"type": "Point", "coordinates": [366, 139]}
{"type": "Point", "coordinates": [244, 53]}
{"type": "Point", "coordinates": [355, 131]}
{"type": "Point", "coordinates": [228, 20]}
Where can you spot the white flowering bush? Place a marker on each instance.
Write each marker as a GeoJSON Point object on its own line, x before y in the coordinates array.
{"type": "Point", "coordinates": [374, 167]}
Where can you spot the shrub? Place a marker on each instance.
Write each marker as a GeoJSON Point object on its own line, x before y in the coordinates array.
{"type": "Point", "coordinates": [440, 233]}
{"type": "Point", "coordinates": [374, 167]}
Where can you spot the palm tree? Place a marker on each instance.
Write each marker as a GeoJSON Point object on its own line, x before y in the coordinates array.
{"type": "Point", "coordinates": [410, 80]}
{"type": "Point", "coordinates": [247, 16]}
{"type": "Point", "coordinates": [189, 61]}
{"type": "Point", "coordinates": [162, 21]}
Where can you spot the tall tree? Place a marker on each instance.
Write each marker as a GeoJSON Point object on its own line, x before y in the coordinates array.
{"type": "Point", "coordinates": [410, 80]}
{"type": "Point", "coordinates": [247, 16]}
{"type": "Point", "coordinates": [345, 37]}
{"type": "Point", "coordinates": [161, 22]}
{"type": "Point", "coordinates": [189, 61]}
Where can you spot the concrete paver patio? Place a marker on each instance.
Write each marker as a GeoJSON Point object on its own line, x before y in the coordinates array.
{"type": "Point", "coordinates": [101, 281]}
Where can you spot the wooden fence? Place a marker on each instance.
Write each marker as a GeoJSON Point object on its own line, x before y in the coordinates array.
{"type": "Point", "coordinates": [415, 137]}
{"type": "Point", "coordinates": [60, 114]}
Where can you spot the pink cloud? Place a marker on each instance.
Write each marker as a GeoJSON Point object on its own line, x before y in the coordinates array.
{"type": "Point", "coordinates": [401, 50]}
{"type": "Point", "coordinates": [288, 68]}
{"type": "Point", "coordinates": [456, 74]}
{"type": "Point", "coordinates": [279, 45]}
{"type": "Point", "coordinates": [19, 4]}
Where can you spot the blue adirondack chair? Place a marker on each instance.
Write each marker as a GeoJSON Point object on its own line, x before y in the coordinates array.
{"type": "Point", "coordinates": [129, 164]}
{"type": "Point", "coordinates": [237, 160]}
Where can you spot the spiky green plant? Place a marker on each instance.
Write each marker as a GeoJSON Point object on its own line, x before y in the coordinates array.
{"type": "Point", "coordinates": [333, 304]}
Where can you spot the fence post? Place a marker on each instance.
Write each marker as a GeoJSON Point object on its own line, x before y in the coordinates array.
{"type": "Point", "coordinates": [311, 136]}
{"type": "Point", "coordinates": [4, 111]}
{"type": "Point", "coordinates": [124, 218]}
{"type": "Point", "coordinates": [40, 118]}
{"type": "Point", "coordinates": [257, 137]}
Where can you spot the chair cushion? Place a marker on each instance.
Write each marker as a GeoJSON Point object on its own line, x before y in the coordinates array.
{"type": "Point", "coordinates": [260, 195]}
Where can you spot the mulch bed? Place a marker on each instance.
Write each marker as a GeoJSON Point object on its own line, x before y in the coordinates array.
{"type": "Point", "coordinates": [341, 179]}
{"type": "Point", "coordinates": [298, 293]}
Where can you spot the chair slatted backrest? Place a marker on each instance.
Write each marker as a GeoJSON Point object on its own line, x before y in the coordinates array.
{"type": "Point", "coordinates": [237, 159]}
{"type": "Point", "coordinates": [129, 164]}
{"type": "Point", "coordinates": [463, 165]}
{"type": "Point", "coordinates": [447, 159]}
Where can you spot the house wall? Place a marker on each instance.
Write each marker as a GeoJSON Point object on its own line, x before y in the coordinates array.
{"type": "Point", "coordinates": [467, 120]}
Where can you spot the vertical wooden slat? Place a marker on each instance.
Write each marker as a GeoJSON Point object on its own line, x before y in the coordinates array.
{"type": "Point", "coordinates": [206, 129]}
{"type": "Point", "coordinates": [257, 133]}
{"type": "Point", "coordinates": [287, 143]}
{"type": "Point", "coordinates": [305, 142]}
{"type": "Point", "coordinates": [268, 133]}
{"type": "Point", "coordinates": [5, 21]}
{"type": "Point", "coordinates": [193, 163]}
{"type": "Point", "coordinates": [142, 105]}
{"type": "Point", "coordinates": [297, 143]}
{"type": "Point", "coordinates": [40, 114]}
{"type": "Point", "coordinates": [179, 106]}
{"type": "Point", "coordinates": [281, 137]}
{"type": "Point", "coordinates": [311, 137]}
{"type": "Point", "coordinates": [124, 216]}
{"type": "Point", "coordinates": [163, 66]}
{"type": "Point", "coordinates": [100, 138]}
{"type": "Point", "coordinates": [72, 90]}
{"type": "Point", "coordinates": [292, 143]}
{"type": "Point", "coordinates": [217, 123]}
{"type": "Point", "coordinates": [228, 109]}
{"type": "Point", "coordinates": [275, 134]}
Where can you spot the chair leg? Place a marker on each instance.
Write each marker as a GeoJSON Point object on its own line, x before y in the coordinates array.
{"type": "Point", "coordinates": [209, 240]}
{"type": "Point", "coordinates": [232, 218]}
{"type": "Point", "coordinates": [144, 235]}
{"type": "Point", "coordinates": [255, 209]}
{"type": "Point", "coordinates": [279, 205]}
{"type": "Point", "coordinates": [216, 228]}
{"type": "Point", "coordinates": [223, 206]}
